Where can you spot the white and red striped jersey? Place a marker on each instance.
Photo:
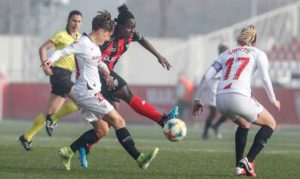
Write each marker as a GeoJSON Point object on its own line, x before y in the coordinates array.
{"type": "Point", "coordinates": [238, 66]}
{"type": "Point", "coordinates": [88, 59]}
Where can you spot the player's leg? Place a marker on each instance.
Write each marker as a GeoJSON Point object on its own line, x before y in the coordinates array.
{"type": "Point", "coordinates": [230, 106]}
{"type": "Point", "coordinates": [259, 116]}
{"type": "Point", "coordinates": [68, 108]}
{"type": "Point", "coordinates": [126, 140]}
{"type": "Point", "coordinates": [216, 126]}
{"type": "Point", "coordinates": [241, 135]}
{"type": "Point", "coordinates": [139, 105]}
{"type": "Point", "coordinates": [208, 121]}
{"type": "Point", "coordinates": [268, 124]}
{"type": "Point", "coordinates": [61, 86]}
{"type": "Point", "coordinates": [89, 138]}
{"type": "Point", "coordinates": [54, 103]}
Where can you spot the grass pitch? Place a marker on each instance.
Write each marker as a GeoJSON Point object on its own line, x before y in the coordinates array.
{"type": "Point", "coordinates": [191, 158]}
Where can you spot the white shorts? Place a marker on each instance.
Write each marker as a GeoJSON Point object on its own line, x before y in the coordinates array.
{"type": "Point", "coordinates": [234, 105]}
{"type": "Point", "coordinates": [93, 106]}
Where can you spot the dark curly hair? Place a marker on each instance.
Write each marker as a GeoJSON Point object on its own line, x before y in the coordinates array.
{"type": "Point", "coordinates": [124, 14]}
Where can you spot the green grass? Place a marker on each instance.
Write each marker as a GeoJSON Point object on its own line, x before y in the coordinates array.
{"type": "Point", "coordinates": [192, 158]}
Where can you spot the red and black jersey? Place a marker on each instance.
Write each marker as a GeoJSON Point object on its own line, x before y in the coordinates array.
{"type": "Point", "coordinates": [115, 47]}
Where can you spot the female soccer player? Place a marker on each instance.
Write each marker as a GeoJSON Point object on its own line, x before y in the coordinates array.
{"type": "Point", "coordinates": [60, 78]}
{"type": "Point", "coordinates": [86, 91]}
{"type": "Point", "coordinates": [212, 89]}
{"type": "Point", "coordinates": [112, 50]}
{"type": "Point", "coordinates": [234, 98]}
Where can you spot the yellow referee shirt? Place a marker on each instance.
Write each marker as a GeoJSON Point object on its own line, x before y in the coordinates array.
{"type": "Point", "coordinates": [60, 40]}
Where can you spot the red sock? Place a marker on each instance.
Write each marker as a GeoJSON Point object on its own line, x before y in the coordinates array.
{"type": "Point", "coordinates": [145, 109]}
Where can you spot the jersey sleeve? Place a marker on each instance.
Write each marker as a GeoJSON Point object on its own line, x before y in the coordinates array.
{"type": "Point", "coordinates": [211, 72]}
{"type": "Point", "coordinates": [55, 39]}
{"type": "Point", "coordinates": [74, 48]}
{"type": "Point", "coordinates": [262, 66]}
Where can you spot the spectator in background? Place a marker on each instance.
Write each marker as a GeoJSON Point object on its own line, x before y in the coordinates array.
{"type": "Point", "coordinates": [211, 100]}
{"type": "Point", "coordinates": [184, 92]}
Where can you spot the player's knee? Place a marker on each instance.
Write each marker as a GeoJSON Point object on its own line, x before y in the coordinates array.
{"type": "Point", "coordinates": [119, 122]}
{"type": "Point", "coordinates": [272, 123]}
{"type": "Point", "coordinates": [101, 133]}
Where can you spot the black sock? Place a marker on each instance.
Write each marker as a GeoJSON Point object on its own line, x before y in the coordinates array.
{"type": "Point", "coordinates": [260, 141]}
{"type": "Point", "coordinates": [162, 121]}
{"type": "Point", "coordinates": [89, 137]}
{"type": "Point", "coordinates": [240, 143]}
{"type": "Point", "coordinates": [127, 142]}
{"type": "Point", "coordinates": [48, 117]}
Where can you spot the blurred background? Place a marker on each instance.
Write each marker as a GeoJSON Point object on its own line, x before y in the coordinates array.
{"type": "Point", "coordinates": [186, 32]}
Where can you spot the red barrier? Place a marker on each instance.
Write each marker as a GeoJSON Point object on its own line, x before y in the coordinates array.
{"type": "Point", "coordinates": [3, 97]}
{"type": "Point", "coordinates": [24, 101]}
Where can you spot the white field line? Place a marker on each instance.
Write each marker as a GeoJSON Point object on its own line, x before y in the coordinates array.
{"type": "Point", "coordinates": [157, 141]}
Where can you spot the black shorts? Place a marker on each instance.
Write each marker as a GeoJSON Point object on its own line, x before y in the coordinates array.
{"type": "Point", "coordinates": [61, 83]}
{"type": "Point", "coordinates": [119, 82]}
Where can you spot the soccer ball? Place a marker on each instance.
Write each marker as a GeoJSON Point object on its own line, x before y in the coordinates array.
{"type": "Point", "coordinates": [175, 130]}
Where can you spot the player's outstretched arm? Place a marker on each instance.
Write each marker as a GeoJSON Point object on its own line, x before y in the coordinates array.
{"type": "Point", "coordinates": [162, 60]}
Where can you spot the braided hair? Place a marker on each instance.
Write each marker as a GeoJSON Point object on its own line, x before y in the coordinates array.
{"type": "Point", "coordinates": [124, 14]}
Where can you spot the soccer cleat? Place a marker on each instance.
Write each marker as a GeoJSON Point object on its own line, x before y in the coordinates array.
{"type": "Point", "coordinates": [248, 166]}
{"type": "Point", "coordinates": [173, 114]}
{"type": "Point", "coordinates": [66, 155]}
{"type": "Point", "coordinates": [50, 125]}
{"type": "Point", "coordinates": [217, 133]}
{"type": "Point", "coordinates": [205, 136]}
{"type": "Point", "coordinates": [144, 159]}
{"type": "Point", "coordinates": [83, 157]}
{"type": "Point", "coordinates": [239, 171]}
{"type": "Point", "coordinates": [25, 143]}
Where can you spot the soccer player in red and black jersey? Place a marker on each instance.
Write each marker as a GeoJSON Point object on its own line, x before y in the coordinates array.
{"type": "Point", "coordinates": [112, 50]}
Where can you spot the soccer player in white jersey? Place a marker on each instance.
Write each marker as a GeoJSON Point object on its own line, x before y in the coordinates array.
{"type": "Point", "coordinates": [234, 98]}
{"type": "Point", "coordinates": [86, 92]}
{"type": "Point", "coordinates": [211, 100]}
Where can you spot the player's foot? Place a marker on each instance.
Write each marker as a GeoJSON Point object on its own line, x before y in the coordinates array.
{"type": "Point", "coordinates": [144, 159]}
{"type": "Point", "coordinates": [66, 155]}
{"type": "Point", "coordinates": [50, 125]}
{"type": "Point", "coordinates": [205, 136]}
{"type": "Point", "coordinates": [239, 171]}
{"type": "Point", "coordinates": [25, 143]}
{"type": "Point", "coordinates": [248, 166]}
{"type": "Point", "coordinates": [217, 133]}
{"type": "Point", "coordinates": [173, 114]}
{"type": "Point", "coordinates": [83, 157]}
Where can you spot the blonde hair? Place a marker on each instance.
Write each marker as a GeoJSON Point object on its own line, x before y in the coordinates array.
{"type": "Point", "coordinates": [247, 36]}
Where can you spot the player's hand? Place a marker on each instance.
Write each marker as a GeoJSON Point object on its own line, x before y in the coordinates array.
{"type": "Point", "coordinates": [197, 108]}
{"type": "Point", "coordinates": [277, 104]}
{"type": "Point", "coordinates": [164, 62]}
{"type": "Point", "coordinates": [110, 82]}
{"type": "Point", "coordinates": [46, 66]}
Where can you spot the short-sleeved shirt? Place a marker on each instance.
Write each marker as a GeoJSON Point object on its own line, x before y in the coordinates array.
{"type": "Point", "coordinates": [113, 49]}
{"type": "Point", "coordinates": [60, 40]}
